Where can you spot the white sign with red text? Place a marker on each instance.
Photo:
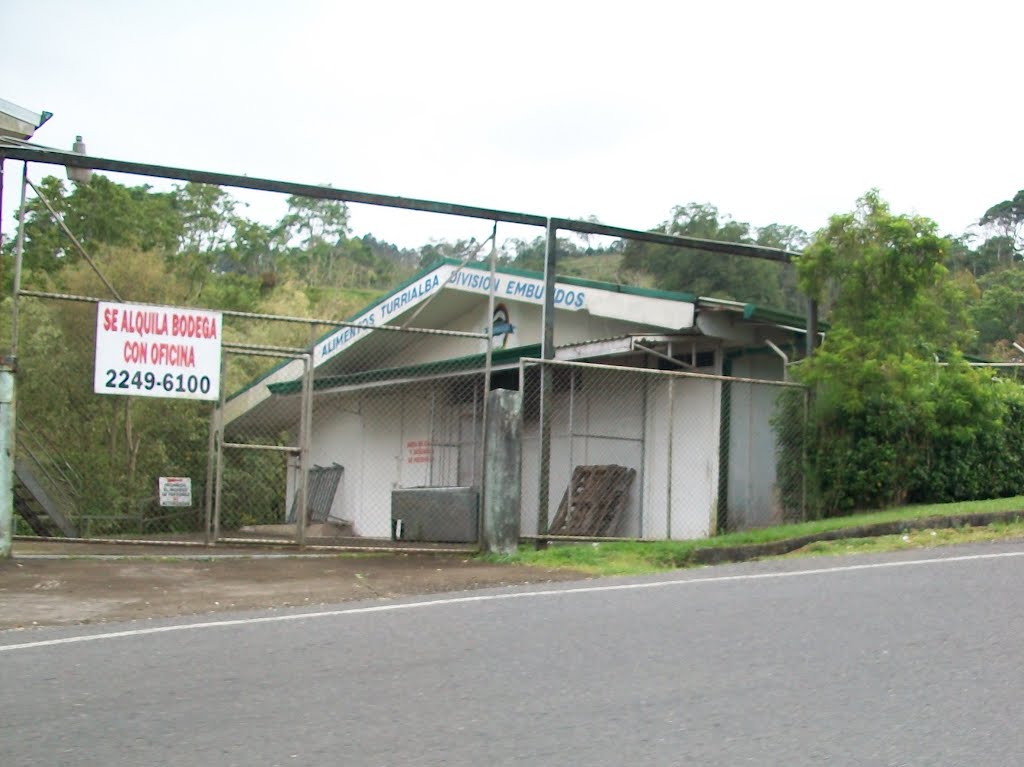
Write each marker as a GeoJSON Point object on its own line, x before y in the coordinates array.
{"type": "Point", "coordinates": [175, 491]}
{"type": "Point", "coordinates": [157, 351]}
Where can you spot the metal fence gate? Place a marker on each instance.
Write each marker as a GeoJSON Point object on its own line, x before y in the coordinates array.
{"type": "Point", "coordinates": [346, 442]}
{"type": "Point", "coordinates": [340, 441]}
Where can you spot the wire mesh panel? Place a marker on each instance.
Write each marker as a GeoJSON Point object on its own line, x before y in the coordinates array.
{"type": "Point", "coordinates": [253, 502]}
{"type": "Point", "coordinates": [642, 453]}
{"type": "Point", "coordinates": [392, 432]}
{"type": "Point", "coordinates": [761, 455]}
{"type": "Point", "coordinates": [399, 411]}
{"type": "Point", "coordinates": [93, 465]}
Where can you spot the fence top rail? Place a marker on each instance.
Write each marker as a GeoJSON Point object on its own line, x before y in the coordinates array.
{"type": "Point", "coordinates": [652, 372]}
{"type": "Point", "coordinates": [51, 156]}
{"type": "Point", "coordinates": [273, 317]}
{"type": "Point", "coordinates": [262, 350]}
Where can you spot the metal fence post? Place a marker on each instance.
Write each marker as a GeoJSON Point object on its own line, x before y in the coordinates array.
{"type": "Point", "coordinates": [547, 353]}
{"type": "Point", "coordinates": [305, 440]}
{"type": "Point", "coordinates": [7, 439]}
{"type": "Point", "coordinates": [803, 456]}
{"type": "Point", "coordinates": [211, 466]}
{"type": "Point", "coordinates": [19, 251]}
{"type": "Point", "coordinates": [482, 467]}
{"type": "Point", "coordinates": [500, 522]}
{"type": "Point", "coordinates": [218, 428]}
{"type": "Point", "coordinates": [812, 326]}
{"type": "Point", "coordinates": [671, 439]}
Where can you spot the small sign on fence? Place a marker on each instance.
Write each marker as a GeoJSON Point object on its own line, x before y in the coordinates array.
{"type": "Point", "coordinates": [157, 351]}
{"type": "Point", "coordinates": [175, 491]}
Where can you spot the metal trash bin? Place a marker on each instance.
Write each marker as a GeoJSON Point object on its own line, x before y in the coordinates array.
{"type": "Point", "coordinates": [435, 514]}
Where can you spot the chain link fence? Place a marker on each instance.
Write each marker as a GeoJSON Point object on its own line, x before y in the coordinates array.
{"type": "Point", "coordinates": [379, 443]}
{"type": "Point", "coordinates": [392, 450]}
{"type": "Point", "coordinates": [383, 441]}
{"type": "Point", "coordinates": [90, 465]}
{"type": "Point", "coordinates": [649, 454]}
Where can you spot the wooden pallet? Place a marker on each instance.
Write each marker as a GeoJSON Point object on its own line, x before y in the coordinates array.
{"type": "Point", "coordinates": [594, 501]}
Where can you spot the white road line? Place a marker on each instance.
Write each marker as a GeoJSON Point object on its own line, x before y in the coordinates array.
{"type": "Point", "coordinates": [499, 597]}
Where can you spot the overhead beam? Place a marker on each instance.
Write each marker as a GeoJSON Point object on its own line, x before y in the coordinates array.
{"type": "Point", "coordinates": [693, 243]}
{"type": "Point", "coordinates": [49, 156]}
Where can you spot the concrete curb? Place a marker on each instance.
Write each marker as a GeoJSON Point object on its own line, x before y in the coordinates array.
{"type": "Point", "coordinates": [743, 553]}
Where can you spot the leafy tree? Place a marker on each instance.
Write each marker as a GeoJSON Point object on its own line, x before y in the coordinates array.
{"type": "Point", "coordinates": [889, 424]}
{"type": "Point", "coordinates": [404, 258]}
{"type": "Point", "coordinates": [531, 255]}
{"type": "Point", "coordinates": [892, 282]}
{"type": "Point", "coordinates": [460, 250]}
{"type": "Point", "coordinates": [793, 239]}
{"type": "Point", "coordinates": [708, 274]}
{"type": "Point", "coordinates": [207, 229]}
{"type": "Point", "coordinates": [255, 250]}
{"type": "Point", "coordinates": [1006, 218]}
{"type": "Point", "coordinates": [999, 313]}
{"type": "Point", "coordinates": [314, 221]}
{"type": "Point", "coordinates": [321, 251]}
{"type": "Point", "coordinates": [99, 213]}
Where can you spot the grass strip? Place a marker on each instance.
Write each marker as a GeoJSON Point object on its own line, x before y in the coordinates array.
{"type": "Point", "coordinates": [628, 558]}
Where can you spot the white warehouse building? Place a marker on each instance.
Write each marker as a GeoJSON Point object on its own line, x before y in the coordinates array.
{"type": "Point", "coordinates": [399, 410]}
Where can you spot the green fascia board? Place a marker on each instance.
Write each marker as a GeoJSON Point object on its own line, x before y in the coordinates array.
{"type": "Point", "coordinates": [757, 313]}
{"type": "Point", "coordinates": [469, 363]}
{"type": "Point", "coordinates": [775, 316]}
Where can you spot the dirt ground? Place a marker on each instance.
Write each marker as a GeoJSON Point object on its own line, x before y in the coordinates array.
{"type": "Point", "coordinates": [48, 585]}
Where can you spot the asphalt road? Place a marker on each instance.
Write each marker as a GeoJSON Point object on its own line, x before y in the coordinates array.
{"type": "Point", "coordinates": [889, 662]}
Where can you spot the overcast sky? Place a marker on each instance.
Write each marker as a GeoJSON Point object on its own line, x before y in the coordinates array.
{"type": "Point", "coordinates": [773, 111]}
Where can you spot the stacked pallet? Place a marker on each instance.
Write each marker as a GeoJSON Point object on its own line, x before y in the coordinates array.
{"type": "Point", "coordinates": [594, 501]}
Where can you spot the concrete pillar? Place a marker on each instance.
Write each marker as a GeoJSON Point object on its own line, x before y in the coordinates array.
{"type": "Point", "coordinates": [502, 471]}
{"type": "Point", "coordinates": [6, 460]}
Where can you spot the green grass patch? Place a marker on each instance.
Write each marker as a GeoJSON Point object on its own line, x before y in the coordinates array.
{"type": "Point", "coordinates": [634, 558]}
{"type": "Point", "coordinates": [913, 539]}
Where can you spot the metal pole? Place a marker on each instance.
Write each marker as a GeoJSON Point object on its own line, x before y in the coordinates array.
{"type": "Point", "coordinates": [19, 250]}
{"type": "Point", "coordinates": [305, 439]}
{"type": "Point", "coordinates": [803, 456]}
{"type": "Point", "coordinates": [572, 439]}
{"type": "Point", "coordinates": [1, 217]}
{"type": "Point", "coordinates": [7, 439]}
{"type": "Point", "coordinates": [488, 352]}
{"type": "Point", "coordinates": [211, 466]}
{"type": "Point", "coordinates": [219, 458]}
{"type": "Point", "coordinates": [671, 439]}
{"type": "Point", "coordinates": [643, 461]}
{"type": "Point", "coordinates": [434, 441]}
{"type": "Point", "coordinates": [547, 353]}
{"type": "Point", "coordinates": [812, 326]}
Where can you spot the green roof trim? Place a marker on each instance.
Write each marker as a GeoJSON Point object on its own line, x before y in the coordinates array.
{"type": "Point", "coordinates": [468, 364]}
{"type": "Point", "coordinates": [778, 317]}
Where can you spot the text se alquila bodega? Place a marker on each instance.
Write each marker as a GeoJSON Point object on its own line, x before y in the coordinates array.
{"type": "Point", "coordinates": [152, 323]}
